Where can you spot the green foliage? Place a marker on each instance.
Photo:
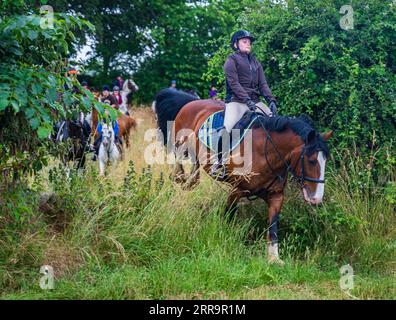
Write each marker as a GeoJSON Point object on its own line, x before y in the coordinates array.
{"type": "Point", "coordinates": [185, 38]}
{"type": "Point", "coordinates": [32, 85]}
{"type": "Point", "coordinates": [143, 237]}
{"type": "Point", "coordinates": [122, 31]}
{"type": "Point", "coordinates": [390, 192]}
{"type": "Point", "coordinates": [344, 79]}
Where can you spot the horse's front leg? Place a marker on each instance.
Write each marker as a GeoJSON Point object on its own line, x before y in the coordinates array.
{"type": "Point", "coordinates": [116, 156]}
{"type": "Point", "coordinates": [102, 166]}
{"type": "Point", "coordinates": [275, 202]}
{"type": "Point", "coordinates": [232, 201]}
{"type": "Point", "coordinates": [194, 177]}
{"type": "Point", "coordinates": [127, 144]}
{"type": "Point", "coordinates": [178, 174]}
{"type": "Point", "coordinates": [114, 163]}
{"type": "Point", "coordinates": [102, 161]}
{"type": "Point", "coordinates": [121, 152]}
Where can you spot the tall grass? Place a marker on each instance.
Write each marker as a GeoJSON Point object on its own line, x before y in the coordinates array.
{"type": "Point", "coordinates": [137, 235]}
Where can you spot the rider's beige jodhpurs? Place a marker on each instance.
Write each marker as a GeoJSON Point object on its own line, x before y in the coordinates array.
{"type": "Point", "coordinates": [234, 111]}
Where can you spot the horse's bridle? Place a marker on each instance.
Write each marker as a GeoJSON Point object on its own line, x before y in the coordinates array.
{"type": "Point", "coordinates": [300, 179]}
{"type": "Point", "coordinates": [303, 178]}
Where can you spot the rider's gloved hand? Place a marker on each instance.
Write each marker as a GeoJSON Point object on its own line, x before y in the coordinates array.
{"type": "Point", "coordinates": [273, 108]}
{"type": "Point", "coordinates": [251, 105]}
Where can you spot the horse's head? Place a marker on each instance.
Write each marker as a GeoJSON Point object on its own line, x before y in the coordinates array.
{"type": "Point", "coordinates": [130, 86]}
{"type": "Point", "coordinates": [107, 135]}
{"type": "Point", "coordinates": [309, 166]}
{"type": "Point", "coordinates": [74, 129]}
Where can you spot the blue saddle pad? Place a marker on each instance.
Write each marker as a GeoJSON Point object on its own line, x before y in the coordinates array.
{"type": "Point", "coordinates": [209, 132]}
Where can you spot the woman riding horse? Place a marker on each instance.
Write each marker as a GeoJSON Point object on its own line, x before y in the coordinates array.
{"type": "Point", "coordinates": [245, 83]}
{"type": "Point", "coordinates": [275, 148]}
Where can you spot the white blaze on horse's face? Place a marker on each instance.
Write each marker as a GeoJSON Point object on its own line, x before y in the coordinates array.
{"type": "Point", "coordinates": [320, 188]}
{"type": "Point", "coordinates": [317, 196]}
{"type": "Point", "coordinates": [106, 135]}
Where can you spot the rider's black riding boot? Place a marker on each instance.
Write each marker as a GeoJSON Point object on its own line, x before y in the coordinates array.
{"type": "Point", "coordinates": [218, 169]}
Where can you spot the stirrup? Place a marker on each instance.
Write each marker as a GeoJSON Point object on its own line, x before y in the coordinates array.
{"type": "Point", "coordinates": [218, 171]}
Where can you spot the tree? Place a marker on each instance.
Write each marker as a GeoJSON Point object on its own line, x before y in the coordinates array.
{"type": "Point", "coordinates": [32, 85]}
{"type": "Point", "coordinates": [185, 38]}
{"type": "Point", "coordinates": [344, 79]}
{"type": "Point", "coordinates": [122, 29]}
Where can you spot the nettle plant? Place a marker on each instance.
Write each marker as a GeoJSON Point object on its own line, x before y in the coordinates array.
{"type": "Point", "coordinates": [35, 90]}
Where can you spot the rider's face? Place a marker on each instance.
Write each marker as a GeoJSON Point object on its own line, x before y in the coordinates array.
{"type": "Point", "coordinates": [245, 45]}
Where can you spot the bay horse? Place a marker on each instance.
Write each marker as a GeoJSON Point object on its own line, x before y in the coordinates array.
{"type": "Point", "coordinates": [278, 147]}
{"type": "Point", "coordinates": [125, 126]}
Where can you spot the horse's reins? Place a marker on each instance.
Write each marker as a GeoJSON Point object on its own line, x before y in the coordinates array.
{"type": "Point", "coordinates": [289, 169]}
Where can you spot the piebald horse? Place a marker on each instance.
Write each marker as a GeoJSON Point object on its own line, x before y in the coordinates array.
{"type": "Point", "coordinates": [128, 89]}
{"type": "Point", "coordinates": [274, 147]}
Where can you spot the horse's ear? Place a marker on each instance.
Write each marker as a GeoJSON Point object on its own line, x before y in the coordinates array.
{"type": "Point", "coordinates": [311, 137]}
{"type": "Point", "coordinates": [326, 136]}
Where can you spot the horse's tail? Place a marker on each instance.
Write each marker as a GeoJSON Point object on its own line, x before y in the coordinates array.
{"type": "Point", "coordinates": [167, 104]}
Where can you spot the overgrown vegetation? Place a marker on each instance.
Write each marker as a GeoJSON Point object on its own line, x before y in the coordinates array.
{"type": "Point", "coordinates": [35, 89]}
{"type": "Point", "coordinates": [32, 85]}
{"type": "Point", "coordinates": [136, 234]}
{"type": "Point", "coordinates": [141, 236]}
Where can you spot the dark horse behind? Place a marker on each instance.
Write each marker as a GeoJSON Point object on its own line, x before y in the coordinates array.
{"type": "Point", "coordinates": [76, 136]}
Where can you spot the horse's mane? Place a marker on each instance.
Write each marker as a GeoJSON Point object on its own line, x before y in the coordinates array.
{"type": "Point", "coordinates": [302, 126]}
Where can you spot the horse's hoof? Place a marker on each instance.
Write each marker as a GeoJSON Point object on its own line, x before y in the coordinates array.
{"type": "Point", "coordinates": [276, 260]}
{"type": "Point", "coordinates": [179, 179]}
{"type": "Point", "coordinates": [218, 176]}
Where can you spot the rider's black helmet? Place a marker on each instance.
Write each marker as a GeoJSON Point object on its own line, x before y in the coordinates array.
{"type": "Point", "coordinates": [240, 34]}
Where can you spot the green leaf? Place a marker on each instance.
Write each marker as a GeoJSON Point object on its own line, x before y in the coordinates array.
{"type": "Point", "coordinates": [15, 105]}
{"type": "Point", "coordinates": [36, 88]}
{"type": "Point", "coordinates": [112, 113]}
{"type": "Point", "coordinates": [3, 103]}
{"type": "Point", "coordinates": [30, 112]}
{"type": "Point", "coordinates": [99, 107]}
{"type": "Point", "coordinates": [32, 35]}
{"type": "Point", "coordinates": [4, 99]}
{"type": "Point", "coordinates": [34, 123]}
{"type": "Point", "coordinates": [15, 51]}
{"type": "Point", "coordinates": [52, 95]}
{"type": "Point", "coordinates": [43, 132]}
{"type": "Point", "coordinates": [21, 22]}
